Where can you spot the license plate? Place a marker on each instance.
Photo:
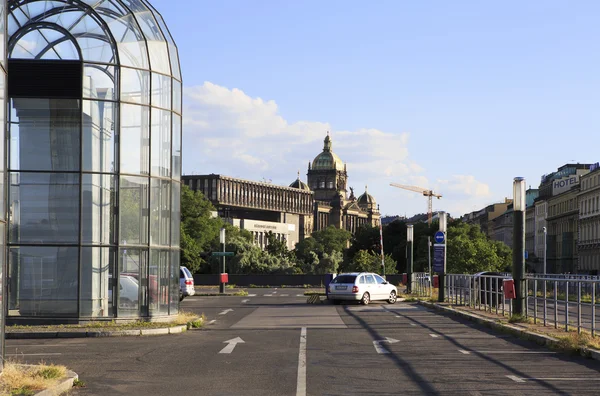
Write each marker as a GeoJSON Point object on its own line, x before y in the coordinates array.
{"type": "Point", "coordinates": [341, 287]}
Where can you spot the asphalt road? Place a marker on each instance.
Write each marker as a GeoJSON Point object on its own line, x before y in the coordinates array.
{"type": "Point", "coordinates": [292, 348]}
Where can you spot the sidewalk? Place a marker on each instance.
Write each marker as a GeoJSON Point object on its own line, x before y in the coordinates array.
{"type": "Point", "coordinates": [542, 335]}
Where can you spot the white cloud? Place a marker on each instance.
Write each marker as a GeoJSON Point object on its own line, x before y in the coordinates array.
{"type": "Point", "coordinates": [227, 131]}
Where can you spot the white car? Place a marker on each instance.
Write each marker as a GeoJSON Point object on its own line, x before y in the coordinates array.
{"type": "Point", "coordinates": [361, 286]}
{"type": "Point", "coordinates": [186, 283]}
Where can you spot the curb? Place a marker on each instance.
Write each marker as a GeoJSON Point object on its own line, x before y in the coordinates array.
{"type": "Point", "coordinates": [94, 334]}
{"type": "Point", "coordinates": [540, 339]}
{"type": "Point", "coordinates": [61, 387]}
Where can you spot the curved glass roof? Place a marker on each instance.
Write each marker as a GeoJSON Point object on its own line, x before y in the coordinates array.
{"type": "Point", "coordinates": [121, 32]}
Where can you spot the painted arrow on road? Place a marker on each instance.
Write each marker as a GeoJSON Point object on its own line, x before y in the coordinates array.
{"type": "Point", "coordinates": [379, 348]}
{"type": "Point", "coordinates": [231, 344]}
{"type": "Point", "coordinates": [245, 301]}
{"type": "Point", "coordinates": [226, 311]}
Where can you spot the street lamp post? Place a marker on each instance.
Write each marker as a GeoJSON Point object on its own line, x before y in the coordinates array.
{"type": "Point", "coordinates": [518, 269]}
{"type": "Point", "coordinates": [221, 283]}
{"type": "Point", "coordinates": [545, 300]}
{"type": "Point", "coordinates": [442, 275]}
{"type": "Point", "coordinates": [545, 247]}
{"type": "Point", "coordinates": [409, 266]}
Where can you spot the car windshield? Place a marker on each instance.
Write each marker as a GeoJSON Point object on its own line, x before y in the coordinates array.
{"type": "Point", "coordinates": [344, 279]}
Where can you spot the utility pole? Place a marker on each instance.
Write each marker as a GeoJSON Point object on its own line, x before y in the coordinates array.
{"type": "Point", "coordinates": [409, 266]}
{"type": "Point", "coordinates": [221, 283]}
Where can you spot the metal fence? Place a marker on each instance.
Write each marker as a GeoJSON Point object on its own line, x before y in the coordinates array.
{"type": "Point", "coordinates": [421, 284]}
{"type": "Point", "coordinates": [563, 301]}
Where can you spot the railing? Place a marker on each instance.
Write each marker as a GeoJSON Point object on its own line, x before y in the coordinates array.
{"type": "Point", "coordinates": [421, 284]}
{"type": "Point", "coordinates": [484, 292]}
{"type": "Point", "coordinates": [572, 301]}
{"type": "Point", "coordinates": [563, 301]}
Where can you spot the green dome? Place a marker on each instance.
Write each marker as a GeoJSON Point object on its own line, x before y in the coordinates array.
{"type": "Point", "coordinates": [327, 159]}
{"type": "Point", "coordinates": [366, 200]}
{"type": "Point", "coordinates": [300, 184]}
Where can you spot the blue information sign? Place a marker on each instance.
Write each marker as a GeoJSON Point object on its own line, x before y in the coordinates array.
{"type": "Point", "coordinates": [439, 237]}
{"type": "Point", "coordinates": [438, 257]}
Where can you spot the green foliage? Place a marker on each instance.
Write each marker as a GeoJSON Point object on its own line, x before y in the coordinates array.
{"type": "Point", "coordinates": [470, 251]}
{"type": "Point", "coordinates": [365, 261]}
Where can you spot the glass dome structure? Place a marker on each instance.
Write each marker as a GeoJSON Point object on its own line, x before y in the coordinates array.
{"type": "Point", "coordinates": [94, 92]}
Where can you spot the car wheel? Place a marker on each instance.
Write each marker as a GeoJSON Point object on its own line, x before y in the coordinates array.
{"type": "Point", "coordinates": [366, 299]}
{"type": "Point", "coordinates": [392, 298]}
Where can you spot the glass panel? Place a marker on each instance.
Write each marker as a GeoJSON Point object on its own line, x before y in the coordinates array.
{"type": "Point", "coordinates": [45, 44]}
{"type": "Point", "coordinates": [2, 43]}
{"type": "Point", "coordinates": [99, 136]}
{"type": "Point", "coordinates": [130, 40]}
{"type": "Point", "coordinates": [98, 209]}
{"type": "Point", "coordinates": [131, 262]}
{"type": "Point", "coordinates": [135, 139]}
{"type": "Point", "coordinates": [175, 214]}
{"type": "Point", "coordinates": [44, 134]}
{"type": "Point", "coordinates": [161, 143]}
{"type": "Point", "coordinates": [177, 96]}
{"type": "Point", "coordinates": [172, 49]}
{"type": "Point", "coordinates": [133, 210]}
{"type": "Point", "coordinates": [161, 91]}
{"type": "Point", "coordinates": [2, 136]}
{"type": "Point", "coordinates": [158, 282]}
{"type": "Point", "coordinates": [44, 208]}
{"type": "Point", "coordinates": [43, 281]}
{"type": "Point", "coordinates": [176, 136]}
{"type": "Point", "coordinates": [99, 82]}
{"type": "Point", "coordinates": [175, 288]}
{"type": "Point", "coordinates": [160, 220]}
{"type": "Point", "coordinates": [97, 271]}
{"type": "Point", "coordinates": [135, 86]}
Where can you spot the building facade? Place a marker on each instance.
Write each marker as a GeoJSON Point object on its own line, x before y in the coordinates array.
{"type": "Point", "coordinates": [94, 161]}
{"type": "Point", "coordinates": [292, 212]}
{"type": "Point", "coordinates": [588, 243]}
{"type": "Point", "coordinates": [328, 179]}
{"type": "Point", "coordinates": [485, 217]}
{"type": "Point", "coordinates": [259, 207]}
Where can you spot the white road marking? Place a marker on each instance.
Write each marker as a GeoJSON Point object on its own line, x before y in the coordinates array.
{"type": "Point", "coordinates": [301, 386]}
{"type": "Point", "coordinates": [251, 295]}
{"type": "Point", "coordinates": [464, 352]}
{"type": "Point", "coordinates": [412, 324]}
{"type": "Point", "coordinates": [32, 354]}
{"type": "Point", "coordinates": [284, 295]}
{"type": "Point", "coordinates": [299, 295]}
{"type": "Point", "coordinates": [226, 311]}
{"type": "Point", "coordinates": [268, 295]}
{"type": "Point", "coordinates": [379, 348]}
{"type": "Point", "coordinates": [434, 335]}
{"type": "Point", "coordinates": [245, 301]}
{"type": "Point", "coordinates": [44, 345]}
{"type": "Point", "coordinates": [521, 379]}
{"type": "Point", "coordinates": [231, 344]}
{"type": "Point", "coordinates": [212, 321]}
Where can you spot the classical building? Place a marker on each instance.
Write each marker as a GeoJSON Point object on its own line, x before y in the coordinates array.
{"type": "Point", "coordinates": [259, 207]}
{"type": "Point", "coordinates": [328, 179]}
{"type": "Point", "coordinates": [292, 213]}
{"type": "Point", "coordinates": [94, 166]}
{"type": "Point", "coordinates": [588, 243]}
{"type": "Point", "coordinates": [485, 217]}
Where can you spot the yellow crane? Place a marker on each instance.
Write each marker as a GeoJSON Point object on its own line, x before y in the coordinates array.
{"type": "Point", "coordinates": [428, 193]}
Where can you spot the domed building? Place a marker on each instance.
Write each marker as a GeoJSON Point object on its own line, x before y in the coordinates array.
{"type": "Point", "coordinates": [328, 180]}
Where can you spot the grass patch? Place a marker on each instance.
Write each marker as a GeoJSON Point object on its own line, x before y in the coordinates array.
{"type": "Point", "coordinates": [517, 318]}
{"type": "Point", "coordinates": [77, 383]}
{"type": "Point", "coordinates": [185, 317]}
{"type": "Point", "coordinates": [230, 286]}
{"type": "Point", "coordinates": [242, 293]}
{"type": "Point", "coordinates": [18, 379]}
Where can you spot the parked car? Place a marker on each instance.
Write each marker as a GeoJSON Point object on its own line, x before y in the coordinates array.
{"type": "Point", "coordinates": [361, 286]}
{"type": "Point", "coordinates": [128, 292]}
{"type": "Point", "coordinates": [186, 283]}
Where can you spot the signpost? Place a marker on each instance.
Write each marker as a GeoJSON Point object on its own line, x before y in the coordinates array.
{"type": "Point", "coordinates": [439, 257]}
{"type": "Point", "coordinates": [439, 237]}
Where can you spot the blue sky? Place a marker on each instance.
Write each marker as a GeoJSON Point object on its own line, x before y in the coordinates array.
{"type": "Point", "coordinates": [457, 96]}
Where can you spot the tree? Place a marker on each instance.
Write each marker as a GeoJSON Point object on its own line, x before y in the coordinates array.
{"type": "Point", "coordinates": [470, 251]}
{"type": "Point", "coordinates": [365, 261]}
{"type": "Point", "coordinates": [323, 251]}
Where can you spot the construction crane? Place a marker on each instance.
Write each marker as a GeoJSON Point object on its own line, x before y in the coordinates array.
{"type": "Point", "coordinates": [428, 193]}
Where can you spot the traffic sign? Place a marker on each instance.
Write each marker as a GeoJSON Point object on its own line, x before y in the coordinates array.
{"type": "Point", "coordinates": [438, 257]}
{"type": "Point", "coordinates": [222, 254]}
{"type": "Point", "coordinates": [439, 237]}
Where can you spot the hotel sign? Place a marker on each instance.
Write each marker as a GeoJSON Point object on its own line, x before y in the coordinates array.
{"type": "Point", "coordinates": [566, 183]}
